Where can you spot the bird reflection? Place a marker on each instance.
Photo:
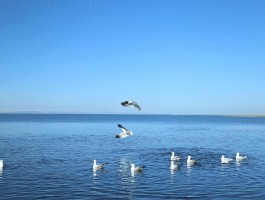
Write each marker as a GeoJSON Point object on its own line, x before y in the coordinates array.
{"type": "Point", "coordinates": [189, 167]}
{"type": "Point", "coordinates": [172, 171]}
{"type": "Point", "coordinates": [224, 166]}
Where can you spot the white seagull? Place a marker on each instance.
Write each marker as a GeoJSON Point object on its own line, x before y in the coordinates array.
{"type": "Point", "coordinates": [239, 158]}
{"type": "Point", "coordinates": [173, 157]}
{"type": "Point", "coordinates": [131, 104]}
{"type": "Point", "coordinates": [225, 160]}
{"type": "Point", "coordinates": [190, 161]}
{"type": "Point", "coordinates": [99, 166]}
{"type": "Point", "coordinates": [136, 169]}
{"type": "Point", "coordinates": [174, 166]}
{"type": "Point", "coordinates": [1, 164]}
{"type": "Point", "coordinates": [125, 132]}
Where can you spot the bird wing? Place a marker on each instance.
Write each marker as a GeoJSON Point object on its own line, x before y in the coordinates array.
{"type": "Point", "coordinates": [134, 104]}
{"type": "Point", "coordinates": [139, 169]}
{"type": "Point", "coordinates": [125, 103]}
{"type": "Point", "coordinates": [123, 128]}
{"type": "Point", "coordinates": [101, 166]}
{"type": "Point", "coordinates": [123, 134]}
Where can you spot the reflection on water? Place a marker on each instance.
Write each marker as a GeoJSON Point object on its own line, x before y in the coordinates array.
{"type": "Point", "coordinates": [238, 163]}
{"type": "Point", "coordinates": [130, 196]}
{"type": "Point", "coordinates": [133, 174]}
{"type": "Point", "coordinates": [189, 169]}
{"type": "Point", "coordinates": [224, 167]}
{"type": "Point", "coordinates": [124, 168]}
{"type": "Point", "coordinates": [173, 171]}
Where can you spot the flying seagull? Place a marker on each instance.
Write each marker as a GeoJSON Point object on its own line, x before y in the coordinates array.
{"type": "Point", "coordinates": [131, 104]}
{"type": "Point", "coordinates": [190, 161]}
{"type": "Point", "coordinates": [125, 132]}
{"type": "Point", "coordinates": [239, 158]}
{"type": "Point", "coordinates": [99, 166]}
{"type": "Point", "coordinates": [173, 157]}
{"type": "Point", "coordinates": [225, 160]}
{"type": "Point", "coordinates": [136, 169]}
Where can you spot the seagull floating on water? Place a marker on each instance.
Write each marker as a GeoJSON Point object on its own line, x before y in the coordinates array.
{"type": "Point", "coordinates": [136, 169]}
{"type": "Point", "coordinates": [239, 158]}
{"type": "Point", "coordinates": [225, 160]}
{"type": "Point", "coordinates": [99, 166]}
{"type": "Point", "coordinates": [131, 104]}
{"type": "Point", "coordinates": [173, 157]}
{"type": "Point", "coordinates": [174, 166]}
{"type": "Point", "coordinates": [1, 164]}
{"type": "Point", "coordinates": [125, 132]}
{"type": "Point", "coordinates": [190, 161]}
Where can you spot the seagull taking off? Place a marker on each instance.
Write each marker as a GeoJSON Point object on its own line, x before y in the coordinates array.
{"type": "Point", "coordinates": [190, 161]}
{"type": "Point", "coordinates": [131, 104]}
{"type": "Point", "coordinates": [125, 132]}
{"type": "Point", "coordinates": [136, 169]}
{"type": "Point", "coordinates": [173, 157]}
{"type": "Point", "coordinates": [174, 166]}
{"type": "Point", "coordinates": [239, 158]}
{"type": "Point", "coordinates": [225, 160]}
{"type": "Point", "coordinates": [99, 166]}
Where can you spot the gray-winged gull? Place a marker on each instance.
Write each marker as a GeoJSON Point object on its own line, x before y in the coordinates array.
{"type": "Point", "coordinates": [225, 160]}
{"type": "Point", "coordinates": [239, 158]}
{"type": "Point", "coordinates": [131, 104]}
{"type": "Point", "coordinates": [174, 166]}
{"type": "Point", "coordinates": [173, 157]}
{"type": "Point", "coordinates": [1, 164]}
{"type": "Point", "coordinates": [136, 169]}
{"type": "Point", "coordinates": [99, 166]}
{"type": "Point", "coordinates": [190, 161]}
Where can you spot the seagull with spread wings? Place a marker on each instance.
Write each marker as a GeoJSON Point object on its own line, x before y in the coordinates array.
{"type": "Point", "coordinates": [131, 104]}
{"type": "Point", "coordinates": [125, 132]}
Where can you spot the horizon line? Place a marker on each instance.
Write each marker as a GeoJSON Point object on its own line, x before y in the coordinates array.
{"type": "Point", "coordinates": [85, 113]}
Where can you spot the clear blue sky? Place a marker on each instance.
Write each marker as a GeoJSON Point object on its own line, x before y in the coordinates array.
{"type": "Point", "coordinates": [172, 57]}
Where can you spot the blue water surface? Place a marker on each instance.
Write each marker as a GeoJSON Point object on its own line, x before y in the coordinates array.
{"type": "Point", "coordinates": [51, 157]}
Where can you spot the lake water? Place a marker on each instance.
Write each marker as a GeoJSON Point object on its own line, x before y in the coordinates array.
{"type": "Point", "coordinates": [51, 157]}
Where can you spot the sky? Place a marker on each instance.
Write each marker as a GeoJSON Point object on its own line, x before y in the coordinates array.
{"type": "Point", "coordinates": [176, 57]}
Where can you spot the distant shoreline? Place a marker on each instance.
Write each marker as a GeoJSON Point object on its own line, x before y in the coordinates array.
{"type": "Point", "coordinates": [43, 113]}
{"type": "Point", "coordinates": [243, 115]}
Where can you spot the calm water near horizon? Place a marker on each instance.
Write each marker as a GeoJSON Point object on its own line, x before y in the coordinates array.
{"type": "Point", "coordinates": [50, 156]}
